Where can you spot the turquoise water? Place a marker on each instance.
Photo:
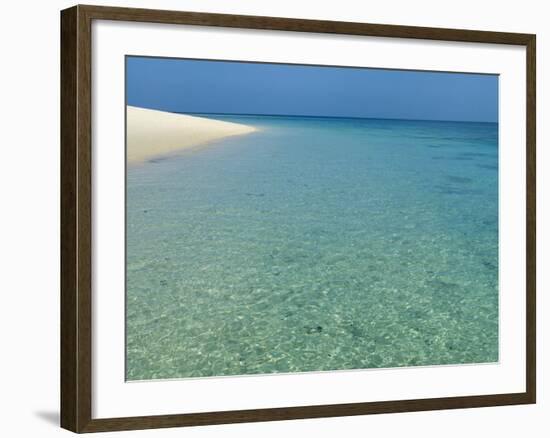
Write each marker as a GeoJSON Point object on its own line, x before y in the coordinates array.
{"type": "Point", "coordinates": [315, 244]}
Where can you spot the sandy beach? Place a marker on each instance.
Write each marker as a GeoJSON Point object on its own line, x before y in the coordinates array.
{"type": "Point", "coordinates": [152, 133]}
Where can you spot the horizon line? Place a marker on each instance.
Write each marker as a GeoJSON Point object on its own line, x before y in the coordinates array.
{"type": "Point", "coordinates": [330, 117]}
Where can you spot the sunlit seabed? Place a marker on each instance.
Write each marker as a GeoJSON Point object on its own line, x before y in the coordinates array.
{"type": "Point", "coordinates": [315, 244]}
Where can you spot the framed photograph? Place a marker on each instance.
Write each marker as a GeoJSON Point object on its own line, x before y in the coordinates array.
{"type": "Point", "coordinates": [270, 218]}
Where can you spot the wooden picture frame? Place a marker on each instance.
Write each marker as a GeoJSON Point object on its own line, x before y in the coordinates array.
{"type": "Point", "coordinates": [76, 218]}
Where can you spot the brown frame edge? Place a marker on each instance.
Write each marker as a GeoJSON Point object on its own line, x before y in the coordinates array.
{"type": "Point", "coordinates": [76, 171]}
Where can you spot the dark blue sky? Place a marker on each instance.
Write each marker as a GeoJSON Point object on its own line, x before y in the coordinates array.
{"type": "Point", "coordinates": [195, 86]}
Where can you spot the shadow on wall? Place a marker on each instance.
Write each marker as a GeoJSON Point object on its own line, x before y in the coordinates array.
{"type": "Point", "coordinates": [51, 417]}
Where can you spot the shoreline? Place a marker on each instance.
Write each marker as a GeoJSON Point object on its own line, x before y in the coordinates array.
{"type": "Point", "coordinates": [152, 133]}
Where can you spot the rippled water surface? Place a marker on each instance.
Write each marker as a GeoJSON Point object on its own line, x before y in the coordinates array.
{"type": "Point", "coordinates": [315, 244]}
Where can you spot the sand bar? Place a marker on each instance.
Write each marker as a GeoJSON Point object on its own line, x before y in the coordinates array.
{"type": "Point", "coordinates": [152, 133]}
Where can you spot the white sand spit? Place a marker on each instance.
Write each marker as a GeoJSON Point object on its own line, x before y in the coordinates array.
{"type": "Point", "coordinates": [153, 133]}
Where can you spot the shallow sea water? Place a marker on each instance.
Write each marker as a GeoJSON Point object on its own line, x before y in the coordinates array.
{"type": "Point", "coordinates": [315, 244]}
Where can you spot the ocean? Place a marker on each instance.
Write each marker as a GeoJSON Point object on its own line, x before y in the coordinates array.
{"type": "Point", "coordinates": [314, 244]}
